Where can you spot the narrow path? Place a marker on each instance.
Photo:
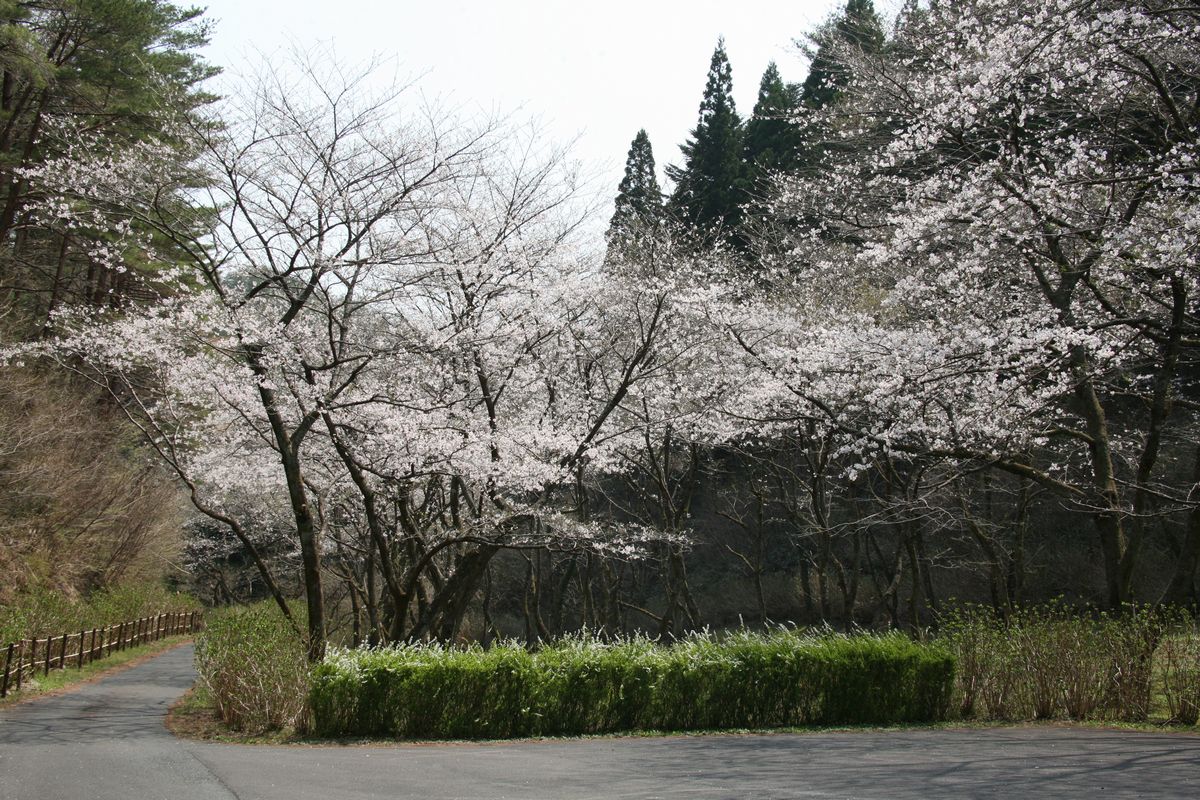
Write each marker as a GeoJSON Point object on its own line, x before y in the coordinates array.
{"type": "Point", "coordinates": [107, 741]}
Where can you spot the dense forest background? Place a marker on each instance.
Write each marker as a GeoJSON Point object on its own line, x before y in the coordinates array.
{"type": "Point", "coordinates": [788, 519]}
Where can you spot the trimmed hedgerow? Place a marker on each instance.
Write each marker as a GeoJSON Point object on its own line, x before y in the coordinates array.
{"type": "Point", "coordinates": [580, 686]}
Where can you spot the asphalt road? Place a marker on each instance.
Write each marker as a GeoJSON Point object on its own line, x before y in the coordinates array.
{"type": "Point", "coordinates": [107, 741]}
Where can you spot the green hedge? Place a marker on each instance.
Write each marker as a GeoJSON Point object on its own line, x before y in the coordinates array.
{"type": "Point", "coordinates": [580, 686]}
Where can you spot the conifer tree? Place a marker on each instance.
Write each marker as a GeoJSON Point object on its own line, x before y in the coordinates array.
{"type": "Point", "coordinates": [639, 201]}
{"type": "Point", "coordinates": [772, 143]}
{"type": "Point", "coordinates": [79, 74]}
{"type": "Point", "coordinates": [772, 140]}
{"type": "Point", "coordinates": [859, 27]}
{"type": "Point", "coordinates": [710, 186]}
{"type": "Point", "coordinates": [858, 30]}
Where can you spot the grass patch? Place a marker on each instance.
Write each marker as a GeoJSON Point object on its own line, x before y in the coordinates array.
{"type": "Point", "coordinates": [60, 680]}
{"type": "Point", "coordinates": [49, 613]}
{"type": "Point", "coordinates": [195, 716]}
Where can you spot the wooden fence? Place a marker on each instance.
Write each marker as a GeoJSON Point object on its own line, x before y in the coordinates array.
{"type": "Point", "coordinates": [28, 657]}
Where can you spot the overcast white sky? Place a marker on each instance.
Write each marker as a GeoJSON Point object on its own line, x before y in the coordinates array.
{"type": "Point", "coordinates": [597, 69]}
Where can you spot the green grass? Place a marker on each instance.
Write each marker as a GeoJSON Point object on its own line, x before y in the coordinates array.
{"type": "Point", "coordinates": [60, 679]}
{"type": "Point", "coordinates": [49, 613]}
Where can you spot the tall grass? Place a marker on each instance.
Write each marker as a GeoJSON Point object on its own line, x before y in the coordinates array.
{"type": "Point", "coordinates": [46, 612]}
{"type": "Point", "coordinates": [254, 666]}
{"type": "Point", "coordinates": [580, 685]}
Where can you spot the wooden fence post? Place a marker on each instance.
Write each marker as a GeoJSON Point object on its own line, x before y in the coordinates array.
{"type": "Point", "coordinates": [62, 653]}
{"type": "Point", "coordinates": [79, 660]}
{"type": "Point", "coordinates": [46, 670]}
{"type": "Point", "coordinates": [21, 662]}
{"type": "Point", "coordinates": [32, 657]}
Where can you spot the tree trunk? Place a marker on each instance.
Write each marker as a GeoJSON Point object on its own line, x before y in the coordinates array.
{"type": "Point", "coordinates": [1106, 498]}
{"type": "Point", "coordinates": [1182, 588]}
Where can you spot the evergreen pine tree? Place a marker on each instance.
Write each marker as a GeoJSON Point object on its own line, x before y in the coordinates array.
{"type": "Point", "coordinates": [639, 203]}
{"type": "Point", "coordinates": [859, 27]}
{"type": "Point", "coordinates": [857, 30]}
{"type": "Point", "coordinates": [710, 186]}
{"type": "Point", "coordinates": [772, 141]}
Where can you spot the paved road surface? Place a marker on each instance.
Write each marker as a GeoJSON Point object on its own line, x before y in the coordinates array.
{"type": "Point", "coordinates": [106, 741]}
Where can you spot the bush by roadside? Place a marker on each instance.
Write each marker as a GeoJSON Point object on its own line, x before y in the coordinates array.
{"type": "Point", "coordinates": [580, 686]}
{"type": "Point", "coordinates": [1051, 662]}
{"type": "Point", "coordinates": [252, 664]}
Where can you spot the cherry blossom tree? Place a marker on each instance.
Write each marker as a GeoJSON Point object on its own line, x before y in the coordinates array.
{"type": "Point", "coordinates": [384, 321]}
{"type": "Point", "coordinates": [999, 266]}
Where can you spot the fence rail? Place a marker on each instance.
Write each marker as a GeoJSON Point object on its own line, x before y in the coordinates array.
{"type": "Point", "coordinates": [26, 658]}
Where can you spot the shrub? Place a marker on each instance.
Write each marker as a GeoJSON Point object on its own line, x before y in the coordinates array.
{"type": "Point", "coordinates": [253, 664]}
{"type": "Point", "coordinates": [1179, 658]}
{"type": "Point", "coordinates": [580, 685]}
{"type": "Point", "coordinates": [1132, 640]}
{"type": "Point", "coordinates": [1049, 662]}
